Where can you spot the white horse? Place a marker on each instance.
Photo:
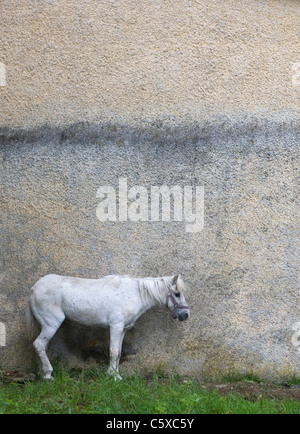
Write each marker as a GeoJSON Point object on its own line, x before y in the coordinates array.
{"type": "Point", "coordinates": [112, 301]}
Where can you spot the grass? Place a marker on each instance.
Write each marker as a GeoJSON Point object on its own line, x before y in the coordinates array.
{"type": "Point", "coordinates": [93, 392]}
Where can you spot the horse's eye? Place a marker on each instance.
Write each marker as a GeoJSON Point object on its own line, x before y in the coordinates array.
{"type": "Point", "coordinates": [177, 294]}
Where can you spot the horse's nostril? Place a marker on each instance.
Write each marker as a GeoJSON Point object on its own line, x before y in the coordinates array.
{"type": "Point", "coordinates": [183, 316]}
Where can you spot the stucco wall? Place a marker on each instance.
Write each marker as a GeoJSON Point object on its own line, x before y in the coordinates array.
{"type": "Point", "coordinates": [69, 61]}
{"type": "Point", "coordinates": [176, 93]}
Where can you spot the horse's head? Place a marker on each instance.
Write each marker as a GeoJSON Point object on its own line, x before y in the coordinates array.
{"type": "Point", "coordinates": [175, 299]}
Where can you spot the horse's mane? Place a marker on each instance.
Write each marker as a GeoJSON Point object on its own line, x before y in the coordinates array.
{"type": "Point", "coordinates": [154, 288]}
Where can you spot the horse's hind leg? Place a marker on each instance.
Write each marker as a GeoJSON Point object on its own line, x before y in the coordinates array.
{"type": "Point", "coordinates": [40, 345]}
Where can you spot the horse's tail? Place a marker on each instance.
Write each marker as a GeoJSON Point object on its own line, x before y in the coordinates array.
{"type": "Point", "coordinates": [32, 324]}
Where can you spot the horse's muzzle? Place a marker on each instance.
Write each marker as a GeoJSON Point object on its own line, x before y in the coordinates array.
{"type": "Point", "coordinates": [183, 316]}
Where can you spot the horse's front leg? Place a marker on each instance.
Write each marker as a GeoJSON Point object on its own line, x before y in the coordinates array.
{"type": "Point", "coordinates": [116, 339]}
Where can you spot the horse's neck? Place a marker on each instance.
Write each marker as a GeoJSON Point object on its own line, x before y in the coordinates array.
{"type": "Point", "coordinates": [152, 295]}
{"type": "Point", "coordinates": [147, 303]}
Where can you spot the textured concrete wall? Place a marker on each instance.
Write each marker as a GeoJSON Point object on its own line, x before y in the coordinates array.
{"type": "Point", "coordinates": [68, 61]}
{"type": "Point", "coordinates": [176, 93]}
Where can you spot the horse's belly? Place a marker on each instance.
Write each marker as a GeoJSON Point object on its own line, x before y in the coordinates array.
{"type": "Point", "coordinates": [99, 302]}
{"type": "Point", "coordinates": [84, 311]}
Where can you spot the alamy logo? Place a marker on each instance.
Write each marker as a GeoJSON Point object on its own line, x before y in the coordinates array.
{"type": "Point", "coordinates": [2, 335]}
{"type": "Point", "coordinates": [158, 203]}
{"type": "Point", "coordinates": [296, 336]}
{"type": "Point", "coordinates": [296, 75]}
{"type": "Point", "coordinates": [2, 74]}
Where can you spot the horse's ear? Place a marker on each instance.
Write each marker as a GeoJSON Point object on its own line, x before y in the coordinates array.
{"type": "Point", "coordinates": [174, 281]}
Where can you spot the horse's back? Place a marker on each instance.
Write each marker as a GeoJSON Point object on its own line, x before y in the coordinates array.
{"type": "Point", "coordinates": [56, 282]}
{"type": "Point", "coordinates": [88, 301]}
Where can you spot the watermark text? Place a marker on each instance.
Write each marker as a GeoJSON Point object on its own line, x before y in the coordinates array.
{"type": "Point", "coordinates": [2, 335]}
{"type": "Point", "coordinates": [2, 74]}
{"type": "Point", "coordinates": [296, 75]}
{"type": "Point", "coordinates": [296, 336]}
{"type": "Point", "coordinates": [156, 203]}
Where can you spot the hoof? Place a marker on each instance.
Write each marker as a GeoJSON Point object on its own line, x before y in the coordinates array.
{"type": "Point", "coordinates": [115, 374]}
{"type": "Point", "coordinates": [48, 377]}
{"type": "Point", "coordinates": [117, 377]}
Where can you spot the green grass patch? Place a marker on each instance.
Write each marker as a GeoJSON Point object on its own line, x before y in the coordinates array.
{"type": "Point", "coordinates": [93, 392]}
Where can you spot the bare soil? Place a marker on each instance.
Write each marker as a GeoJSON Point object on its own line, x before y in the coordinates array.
{"type": "Point", "coordinates": [253, 390]}
{"type": "Point", "coordinates": [18, 377]}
